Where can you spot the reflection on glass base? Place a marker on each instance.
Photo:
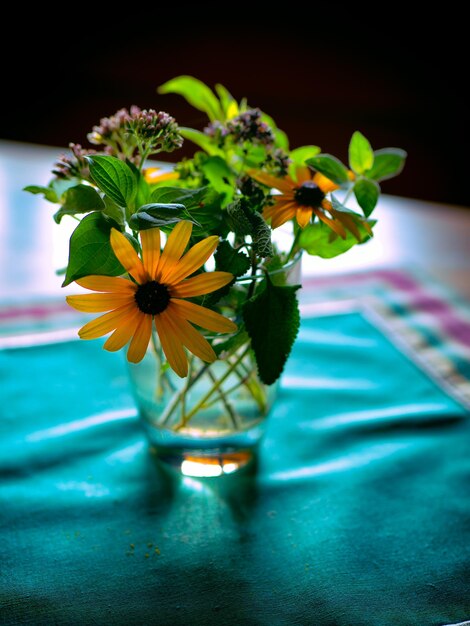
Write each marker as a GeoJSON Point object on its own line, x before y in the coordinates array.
{"type": "Point", "coordinates": [205, 453]}
{"type": "Point", "coordinates": [204, 463]}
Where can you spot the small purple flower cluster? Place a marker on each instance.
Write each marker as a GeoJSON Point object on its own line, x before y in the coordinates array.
{"type": "Point", "coordinates": [249, 126]}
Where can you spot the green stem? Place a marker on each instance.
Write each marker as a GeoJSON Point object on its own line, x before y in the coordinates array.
{"type": "Point", "coordinates": [241, 383]}
{"type": "Point", "coordinates": [177, 398]}
{"type": "Point", "coordinates": [185, 418]}
{"type": "Point", "coordinates": [294, 248]}
{"type": "Point", "coordinates": [223, 397]}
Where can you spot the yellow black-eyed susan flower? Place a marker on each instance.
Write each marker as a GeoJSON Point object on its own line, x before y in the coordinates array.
{"type": "Point", "coordinates": [302, 198]}
{"type": "Point", "coordinates": [157, 295]}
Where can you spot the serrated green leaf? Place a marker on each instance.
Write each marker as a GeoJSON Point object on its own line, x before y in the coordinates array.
{"type": "Point", "coordinates": [329, 166]}
{"type": "Point", "coordinates": [238, 219]}
{"type": "Point", "coordinates": [272, 320]}
{"type": "Point", "coordinates": [90, 249]}
{"type": "Point", "coordinates": [388, 162]}
{"type": "Point", "coordinates": [319, 240]}
{"type": "Point", "coordinates": [261, 236]}
{"type": "Point", "coordinates": [78, 200]}
{"type": "Point", "coordinates": [361, 156]}
{"type": "Point", "coordinates": [199, 95]}
{"type": "Point", "coordinates": [229, 260]}
{"type": "Point", "coordinates": [159, 215]}
{"type": "Point", "coordinates": [114, 178]}
{"type": "Point", "coordinates": [200, 139]}
{"type": "Point", "coordinates": [367, 193]}
{"type": "Point", "coordinates": [243, 221]}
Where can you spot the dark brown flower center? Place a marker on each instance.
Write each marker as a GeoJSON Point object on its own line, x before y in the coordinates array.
{"type": "Point", "coordinates": [309, 194]}
{"type": "Point", "coordinates": [152, 297]}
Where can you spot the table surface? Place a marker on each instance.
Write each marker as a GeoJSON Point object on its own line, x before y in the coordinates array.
{"type": "Point", "coordinates": [409, 233]}
{"type": "Point", "coordinates": [358, 511]}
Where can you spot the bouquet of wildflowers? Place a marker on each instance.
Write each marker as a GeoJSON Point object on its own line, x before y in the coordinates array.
{"type": "Point", "coordinates": [185, 260]}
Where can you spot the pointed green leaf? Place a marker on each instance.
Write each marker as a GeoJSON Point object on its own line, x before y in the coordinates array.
{"type": "Point", "coordinates": [90, 249]}
{"type": "Point", "coordinates": [361, 156]}
{"type": "Point", "coordinates": [272, 320]}
{"type": "Point", "coordinates": [388, 162]}
{"type": "Point", "coordinates": [114, 178]}
{"type": "Point", "coordinates": [79, 199]}
{"type": "Point", "coordinates": [319, 240]}
{"type": "Point", "coordinates": [48, 193]}
{"type": "Point", "coordinates": [199, 95]}
{"type": "Point", "coordinates": [159, 215]}
{"type": "Point", "coordinates": [331, 167]}
{"type": "Point", "coordinates": [367, 193]}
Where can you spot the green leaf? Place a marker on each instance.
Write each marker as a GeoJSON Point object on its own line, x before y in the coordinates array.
{"type": "Point", "coordinates": [48, 193]}
{"type": "Point", "coordinates": [227, 102]}
{"type": "Point", "coordinates": [200, 139]}
{"type": "Point", "coordinates": [329, 166]}
{"type": "Point", "coordinates": [388, 162]}
{"type": "Point", "coordinates": [298, 156]}
{"type": "Point", "coordinates": [55, 190]}
{"type": "Point", "coordinates": [243, 221]}
{"type": "Point", "coordinates": [90, 250]}
{"type": "Point", "coordinates": [79, 199]}
{"type": "Point", "coordinates": [301, 154]}
{"type": "Point", "coordinates": [115, 212]}
{"type": "Point", "coordinates": [199, 95]}
{"type": "Point", "coordinates": [272, 320]}
{"type": "Point", "coordinates": [319, 240]}
{"type": "Point", "coordinates": [159, 215]}
{"type": "Point", "coordinates": [227, 259]}
{"type": "Point", "coordinates": [367, 193]}
{"type": "Point", "coordinates": [261, 236]}
{"type": "Point", "coordinates": [219, 176]}
{"type": "Point", "coordinates": [361, 156]}
{"type": "Point", "coordinates": [203, 205]}
{"type": "Point", "coordinates": [114, 178]}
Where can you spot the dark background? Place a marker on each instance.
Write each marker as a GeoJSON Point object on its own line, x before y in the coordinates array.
{"type": "Point", "coordinates": [321, 74]}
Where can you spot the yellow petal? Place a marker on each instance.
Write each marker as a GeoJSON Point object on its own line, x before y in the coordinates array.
{"type": "Point", "coordinates": [325, 184]}
{"type": "Point", "coordinates": [191, 338]}
{"type": "Point", "coordinates": [150, 240]}
{"type": "Point", "coordinates": [202, 317]}
{"type": "Point", "coordinates": [201, 284]}
{"type": "Point", "coordinates": [140, 340]}
{"type": "Point", "coordinates": [171, 345]}
{"type": "Point", "coordinates": [303, 217]}
{"type": "Point", "coordinates": [106, 323]}
{"type": "Point", "coordinates": [152, 175]}
{"type": "Point", "coordinates": [123, 333]}
{"type": "Point", "coordinates": [335, 226]}
{"type": "Point", "coordinates": [108, 284]}
{"type": "Point", "coordinates": [192, 260]}
{"type": "Point", "coordinates": [284, 215]}
{"type": "Point", "coordinates": [303, 174]}
{"type": "Point", "coordinates": [127, 256]}
{"type": "Point", "coordinates": [98, 302]}
{"type": "Point", "coordinates": [285, 184]}
{"type": "Point", "coordinates": [347, 221]}
{"type": "Point", "coordinates": [174, 248]}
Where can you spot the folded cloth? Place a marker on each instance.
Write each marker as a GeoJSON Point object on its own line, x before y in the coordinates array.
{"type": "Point", "coordinates": [358, 513]}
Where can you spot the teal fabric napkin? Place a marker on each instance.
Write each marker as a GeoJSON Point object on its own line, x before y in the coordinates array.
{"type": "Point", "coordinates": [357, 514]}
